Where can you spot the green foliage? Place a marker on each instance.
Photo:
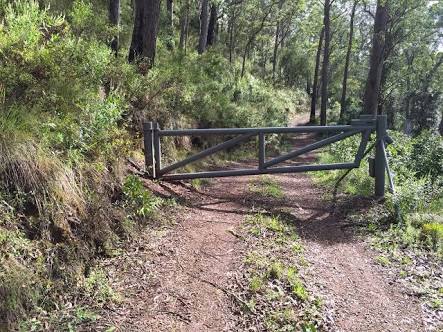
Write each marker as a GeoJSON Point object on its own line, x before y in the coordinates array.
{"type": "Point", "coordinates": [138, 198]}
{"type": "Point", "coordinates": [434, 233]}
{"type": "Point", "coordinates": [97, 287]}
{"type": "Point", "coordinates": [265, 187]}
{"type": "Point", "coordinates": [427, 155]}
{"type": "Point", "coordinates": [417, 164]}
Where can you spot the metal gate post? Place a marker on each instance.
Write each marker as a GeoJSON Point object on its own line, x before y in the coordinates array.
{"type": "Point", "coordinates": [157, 149]}
{"type": "Point", "coordinates": [261, 150]}
{"type": "Point", "coordinates": [148, 135]}
{"type": "Point", "coordinates": [380, 163]}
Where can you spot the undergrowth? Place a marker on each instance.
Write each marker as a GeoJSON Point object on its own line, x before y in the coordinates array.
{"type": "Point", "coordinates": [275, 297]}
{"type": "Point", "coordinates": [70, 114]}
{"type": "Point", "coordinates": [407, 228]}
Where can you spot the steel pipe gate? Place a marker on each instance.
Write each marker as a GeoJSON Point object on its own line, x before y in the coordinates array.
{"type": "Point", "coordinates": [364, 126]}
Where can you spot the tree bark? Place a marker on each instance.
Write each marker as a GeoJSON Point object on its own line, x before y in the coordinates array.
{"type": "Point", "coordinates": [184, 23]}
{"type": "Point", "coordinates": [212, 25]}
{"type": "Point", "coordinates": [372, 91]}
{"type": "Point", "coordinates": [276, 42]}
{"type": "Point", "coordinates": [325, 66]}
{"type": "Point", "coordinates": [114, 18]}
{"type": "Point", "coordinates": [170, 11]}
{"type": "Point", "coordinates": [204, 22]}
{"type": "Point", "coordinates": [274, 55]}
{"type": "Point", "coordinates": [440, 127]}
{"type": "Point", "coordinates": [348, 58]}
{"type": "Point", "coordinates": [315, 83]}
{"type": "Point", "coordinates": [231, 29]}
{"type": "Point", "coordinates": [144, 35]}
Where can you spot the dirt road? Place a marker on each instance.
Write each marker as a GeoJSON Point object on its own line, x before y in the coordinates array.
{"type": "Point", "coordinates": [173, 279]}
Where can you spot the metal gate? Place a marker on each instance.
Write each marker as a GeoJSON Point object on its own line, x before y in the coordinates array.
{"type": "Point", "coordinates": [363, 126]}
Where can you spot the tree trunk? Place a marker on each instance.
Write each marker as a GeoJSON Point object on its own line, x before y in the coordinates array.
{"type": "Point", "coordinates": [184, 23]}
{"type": "Point", "coordinates": [440, 127]}
{"type": "Point", "coordinates": [372, 91]}
{"type": "Point", "coordinates": [144, 35]}
{"type": "Point", "coordinates": [204, 22]}
{"type": "Point", "coordinates": [170, 11]}
{"type": "Point", "coordinates": [231, 37]}
{"type": "Point", "coordinates": [325, 66]}
{"type": "Point", "coordinates": [114, 18]}
{"type": "Point", "coordinates": [274, 55]}
{"type": "Point", "coordinates": [251, 39]}
{"type": "Point", "coordinates": [348, 58]}
{"type": "Point", "coordinates": [315, 83]}
{"type": "Point", "coordinates": [212, 25]}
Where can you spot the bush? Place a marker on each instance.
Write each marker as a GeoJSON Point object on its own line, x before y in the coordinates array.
{"type": "Point", "coordinates": [417, 164]}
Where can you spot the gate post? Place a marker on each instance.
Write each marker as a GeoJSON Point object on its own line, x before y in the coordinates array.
{"type": "Point", "coordinates": [157, 150]}
{"type": "Point", "coordinates": [148, 135]}
{"type": "Point", "coordinates": [380, 163]}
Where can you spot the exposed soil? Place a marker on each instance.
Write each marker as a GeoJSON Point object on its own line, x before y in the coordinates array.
{"type": "Point", "coordinates": [174, 279]}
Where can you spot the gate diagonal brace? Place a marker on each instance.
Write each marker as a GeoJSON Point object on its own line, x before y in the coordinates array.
{"type": "Point", "coordinates": [309, 148]}
{"type": "Point", "coordinates": [205, 153]}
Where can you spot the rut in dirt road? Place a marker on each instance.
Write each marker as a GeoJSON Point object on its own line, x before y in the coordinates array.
{"type": "Point", "coordinates": [178, 277]}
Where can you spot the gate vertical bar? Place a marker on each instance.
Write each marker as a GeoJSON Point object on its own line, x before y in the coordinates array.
{"type": "Point", "coordinates": [261, 150]}
{"type": "Point", "coordinates": [148, 147]}
{"type": "Point", "coordinates": [380, 163]}
{"type": "Point", "coordinates": [157, 149]}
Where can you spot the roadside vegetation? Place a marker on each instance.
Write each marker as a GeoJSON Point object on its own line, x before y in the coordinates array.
{"type": "Point", "coordinates": [274, 297]}
{"type": "Point", "coordinates": [407, 228]}
{"type": "Point", "coordinates": [70, 116]}
{"type": "Point", "coordinates": [78, 79]}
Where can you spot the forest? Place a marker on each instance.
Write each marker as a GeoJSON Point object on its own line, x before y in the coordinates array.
{"type": "Point", "coordinates": [78, 79]}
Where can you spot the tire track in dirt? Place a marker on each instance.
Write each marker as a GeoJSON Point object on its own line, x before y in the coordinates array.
{"type": "Point", "coordinates": [173, 279]}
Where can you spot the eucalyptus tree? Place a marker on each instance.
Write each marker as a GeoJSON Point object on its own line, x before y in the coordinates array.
{"type": "Point", "coordinates": [204, 23]}
{"type": "Point", "coordinates": [144, 35]}
{"type": "Point", "coordinates": [114, 18]}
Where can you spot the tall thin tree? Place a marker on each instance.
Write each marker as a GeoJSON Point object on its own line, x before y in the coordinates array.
{"type": "Point", "coordinates": [372, 90]}
{"type": "Point", "coordinates": [343, 103]}
{"type": "Point", "coordinates": [315, 83]}
{"type": "Point", "coordinates": [170, 12]}
{"type": "Point", "coordinates": [325, 66]}
{"type": "Point", "coordinates": [114, 18]}
{"type": "Point", "coordinates": [212, 25]}
{"type": "Point", "coordinates": [184, 24]}
{"type": "Point", "coordinates": [204, 23]}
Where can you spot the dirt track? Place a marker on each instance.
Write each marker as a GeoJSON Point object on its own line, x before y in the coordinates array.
{"type": "Point", "coordinates": [173, 279]}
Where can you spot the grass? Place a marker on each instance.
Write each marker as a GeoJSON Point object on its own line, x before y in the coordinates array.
{"type": "Point", "coordinates": [266, 187]}
{"type": "Point", "coordinates": [271, 277]}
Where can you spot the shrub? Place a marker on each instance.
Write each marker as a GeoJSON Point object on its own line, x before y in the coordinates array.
{"type": "Point", "coordinates": [138, 198]}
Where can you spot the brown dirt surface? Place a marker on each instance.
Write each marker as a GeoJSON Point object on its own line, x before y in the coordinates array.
{"type": "Point", "coordinates": [175, 278]}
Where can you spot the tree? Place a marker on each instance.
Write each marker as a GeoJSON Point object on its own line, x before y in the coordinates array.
{"type": "Point", "coordinates": [372, 90]}
{"type": "Point", "coordinates": [204, 23]}
{"type": "Point", "coordinates": [325, 66]}
{"type": "Point", "coordinates": [348, 58]}
{"type": "Point", "coordinates": [114, 18]}
{"type": "Point", "coordinates": [184, 24]}
{"type": "Point", "coordinates": [315, 82]}
{"type": "Point", "coordinates": [170, 12]}
{"type": "Point", "coordinates": [212, 25]}
{"type": "Point", "coordinates": [251, 38]}
{"type": "Point", "coordinates": [144, 35]}
{"type": "Point", "coordinates": [276, 41]}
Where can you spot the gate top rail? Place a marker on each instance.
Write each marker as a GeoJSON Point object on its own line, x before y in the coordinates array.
{"type": "Point", "coordinates": [264, 130]}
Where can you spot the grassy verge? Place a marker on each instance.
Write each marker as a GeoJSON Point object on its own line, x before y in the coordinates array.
{"type": "Point", "coordinates": [274, 295]}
